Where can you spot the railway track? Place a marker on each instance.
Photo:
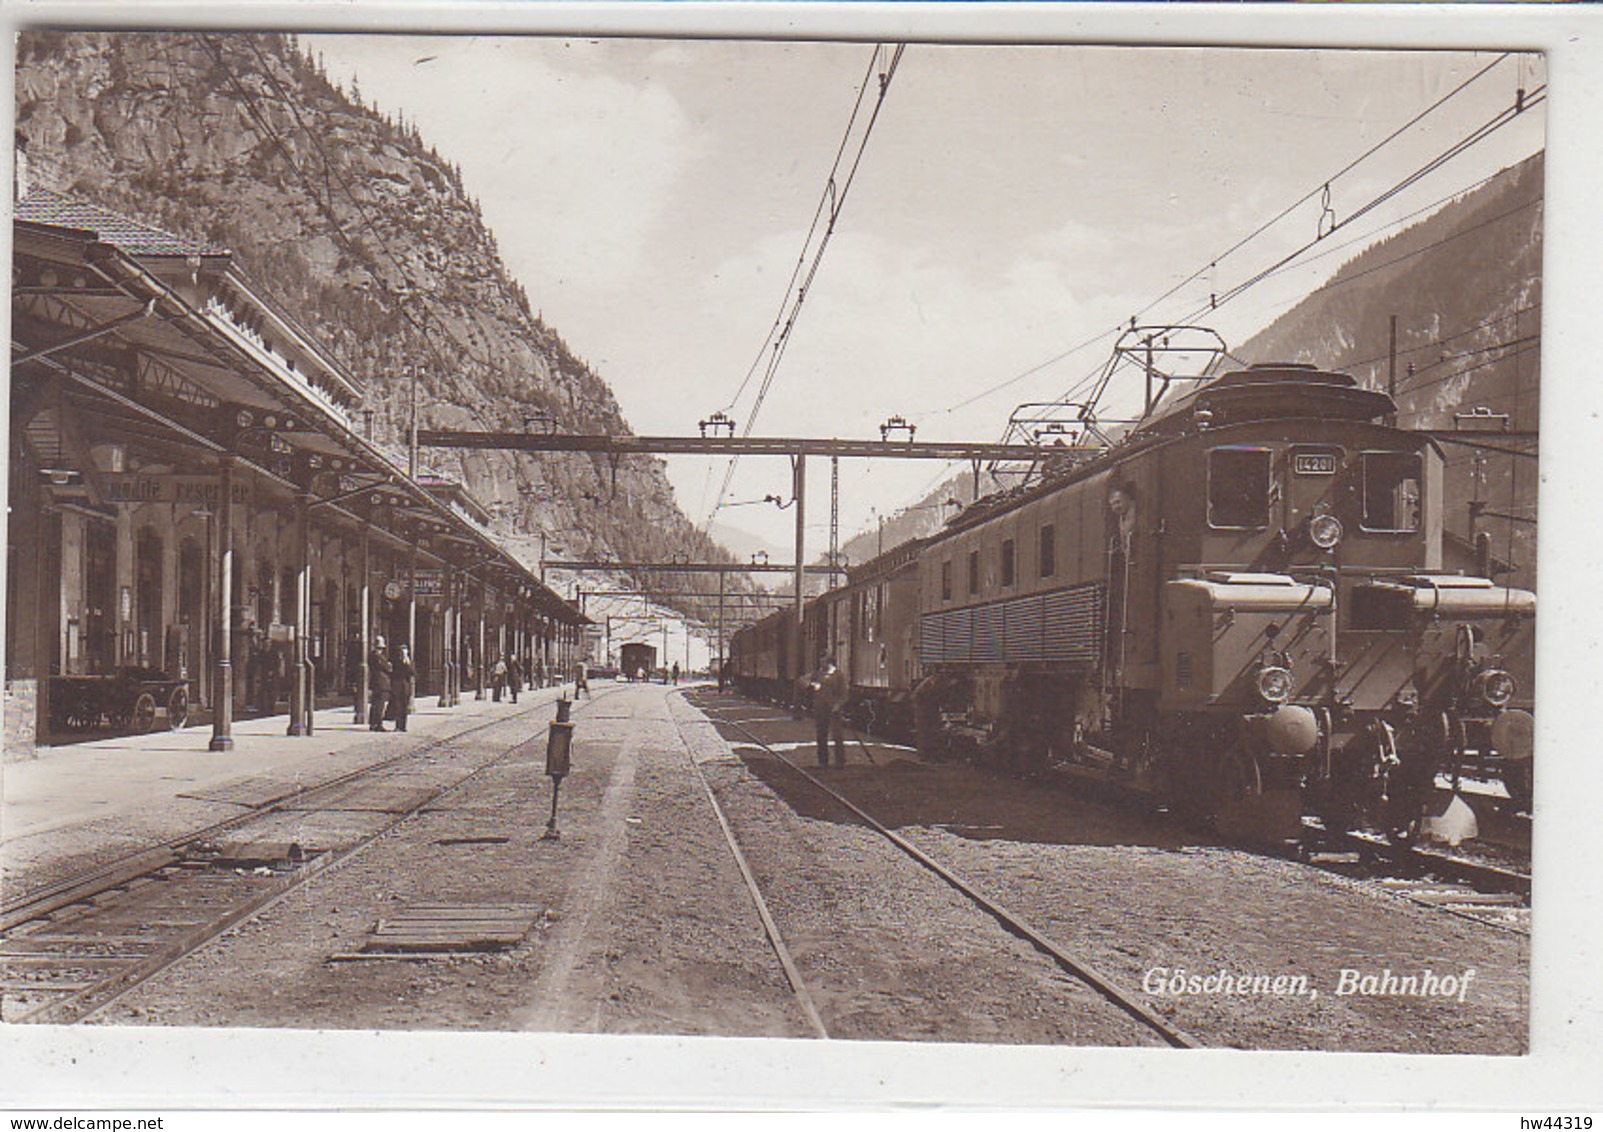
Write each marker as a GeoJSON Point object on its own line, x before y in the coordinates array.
{"type": "Point", "coordinates": [1067, 960]}
{"type": "Point", "coordinates": [1491, 888]}
{"type": "Point", "coordinates": [73, 948]}
{"type": "Point", "coordinates": [1450, 883]}
{"type": "Point", "coordinates": [1488, 893]}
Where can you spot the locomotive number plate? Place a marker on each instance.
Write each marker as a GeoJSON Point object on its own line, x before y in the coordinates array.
{"type": "Point", "coordinates": [1314, 463]}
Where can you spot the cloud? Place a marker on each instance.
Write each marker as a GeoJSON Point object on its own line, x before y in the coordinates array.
{"type": "Point", "coordinates": [1075, 238]}
{"type": "Point", "coordinates": [572, 166]}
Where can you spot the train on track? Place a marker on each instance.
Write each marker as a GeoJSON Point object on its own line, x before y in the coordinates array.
{"type": "Point", "coordinates": [1241, 606]}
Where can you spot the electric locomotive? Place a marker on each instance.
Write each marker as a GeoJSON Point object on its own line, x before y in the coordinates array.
{"type": "Point", "coordinates": [1242, 606]}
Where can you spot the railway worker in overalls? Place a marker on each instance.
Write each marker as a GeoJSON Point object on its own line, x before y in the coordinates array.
{"type": "Point", "coordinates": [829, 702]}
{"type": "Point", "coordinates": [581, 682]}
{"type": "Point", "coordinates": [378, 679]}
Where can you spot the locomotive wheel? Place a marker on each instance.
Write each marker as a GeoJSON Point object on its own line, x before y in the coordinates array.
{"type": "Point", "coordinates": [144, 713]}
{"type": "Point", "coordinates": [178, 708]}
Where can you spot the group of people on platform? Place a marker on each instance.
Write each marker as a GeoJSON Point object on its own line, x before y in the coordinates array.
{"type": "Point", "coordinates": [392, 682]}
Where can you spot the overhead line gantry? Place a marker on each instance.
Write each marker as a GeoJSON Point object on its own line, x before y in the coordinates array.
{"type": "Point", "coordinates": [727, 445]}
{"type": "Point", "coordinates": [796, 448]}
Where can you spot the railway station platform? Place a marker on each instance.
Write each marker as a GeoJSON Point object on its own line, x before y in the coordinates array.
{"type": "Point", "coordinates": [103, 778]}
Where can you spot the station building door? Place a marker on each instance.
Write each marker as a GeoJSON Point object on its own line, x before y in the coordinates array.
{"type": "Point", "coordinates": [100, 600]}
{"type": "Point", "coordinates": [148, 647]}
{"type": "Point", "coordinates": [423, 651]}
{"type": "Point", "coordinates": [189, 632]}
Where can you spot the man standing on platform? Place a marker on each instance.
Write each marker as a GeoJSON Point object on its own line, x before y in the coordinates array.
{"type": "Point", "coordinates": [830, 690]}
{"type": "Point", "coordinates": [498, 677]}
{"type": "Point", "coordinates": [378, 669]}
{"type": "Point", "coordinates": [401, 685]}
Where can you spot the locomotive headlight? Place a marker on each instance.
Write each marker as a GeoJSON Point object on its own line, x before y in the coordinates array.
{"type": "Point", "coordinates": [1496, 687]}
{"type": "Point", "coordinates": [1274, 683]}
{"type": "Point", "coordinates": [1324, 531]}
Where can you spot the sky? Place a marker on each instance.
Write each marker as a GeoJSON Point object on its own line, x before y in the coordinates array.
{"type": "Point", "coordinates": [1011, 205]}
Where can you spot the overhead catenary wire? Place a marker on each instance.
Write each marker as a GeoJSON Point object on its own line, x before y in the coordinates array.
{"type": "Point", "coordinates": [1460, 234]}
{"type": "Point", "coordinates": [1323, 187]}
{"type": "Point", "coordinates": [1031, 372]}
{"type": "Point", "coordinates": [1211, 267]}
{"type": "Point", "coordinates": [1367, 237]}
{"type": "Point", "coordinates": [824, 205]}
{"type": "Point", "coordinates": [1479, 134]}
{"type": "Point", "coordinates": [831, 202]}
{"type": "Point", "coordinates": [1083, 383]}
{"type": "Point", "coordinates": [1520, 346]}
{"type": "Point", "coordinates": [1437, 342]}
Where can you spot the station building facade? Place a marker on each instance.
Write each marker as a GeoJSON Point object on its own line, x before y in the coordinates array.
{"type": "Point", "coordinates": [190, 499]}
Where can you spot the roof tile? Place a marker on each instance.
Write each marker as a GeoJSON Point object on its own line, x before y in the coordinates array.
{"type": "Point", "coordinates": [41, 206]}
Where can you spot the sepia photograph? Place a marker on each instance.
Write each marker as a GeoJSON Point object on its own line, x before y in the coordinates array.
{"type": "Point", "coordinates": [816, 539]}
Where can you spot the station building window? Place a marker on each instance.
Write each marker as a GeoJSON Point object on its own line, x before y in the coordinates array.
{"type": "Point", "coordinates": [1391, 487]}
{"type": "Point", "coordinates": [1238, 488]}
{"type": "Point", "coordinates": [1048, 555]}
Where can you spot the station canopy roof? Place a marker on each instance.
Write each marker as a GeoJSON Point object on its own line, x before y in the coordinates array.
{"type": "Point", "coordinates": [123, 332]}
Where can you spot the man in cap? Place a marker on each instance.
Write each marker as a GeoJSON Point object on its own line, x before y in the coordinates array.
{"type": "Point", "coordinates": [830, 689]}
{"type": "Point", "coordinates": [378, 677]}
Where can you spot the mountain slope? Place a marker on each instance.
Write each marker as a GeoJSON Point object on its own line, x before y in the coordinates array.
{"type": "Point", "coordinates": [1465, 286]}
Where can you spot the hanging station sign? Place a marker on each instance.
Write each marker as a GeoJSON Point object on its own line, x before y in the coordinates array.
{"type": "Point", "coordinates": [196, 491]}
{"type": "Point", "coordinates": [429, 583]}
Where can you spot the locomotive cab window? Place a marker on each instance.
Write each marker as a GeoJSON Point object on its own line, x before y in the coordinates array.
{"type": "Point", "coordinates": [1238, 488]}
{"type": "Point", "coordinates": [1391, 490]}
{"type": "Point", "coordinates": [1007, 562]}
{"type": "Point", "coordinates": [946, 580]}
{"type": "Point", "coordinates": [1048, 550]}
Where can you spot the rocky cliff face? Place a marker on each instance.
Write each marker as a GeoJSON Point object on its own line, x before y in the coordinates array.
{"type": "Point", "coordinates": [366, 235]}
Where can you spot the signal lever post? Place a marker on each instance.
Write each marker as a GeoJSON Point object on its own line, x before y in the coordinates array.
{"type": "Point", "coordinates": [558, 747]}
